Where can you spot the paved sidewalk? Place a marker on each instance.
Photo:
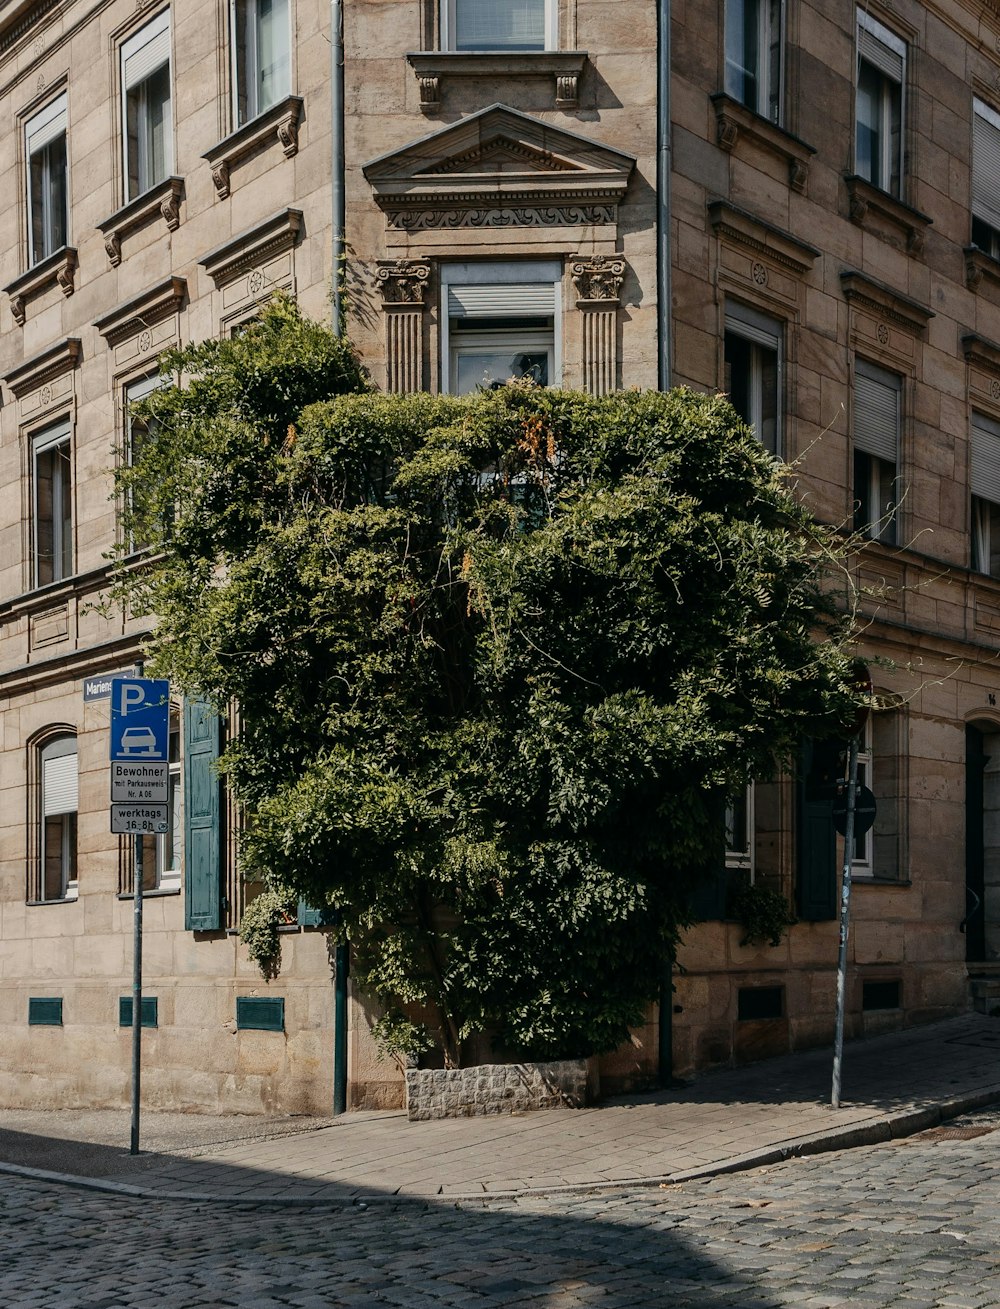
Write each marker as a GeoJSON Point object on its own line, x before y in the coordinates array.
{"type": "Point", "coordinates": [893, 1085]}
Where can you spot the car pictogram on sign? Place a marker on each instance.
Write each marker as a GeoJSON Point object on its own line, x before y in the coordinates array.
{"type": "Point", "coordinates": [138, 741]}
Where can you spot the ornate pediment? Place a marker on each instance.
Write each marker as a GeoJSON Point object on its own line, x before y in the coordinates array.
{"type": "Point", "coordinates": [500, 168]}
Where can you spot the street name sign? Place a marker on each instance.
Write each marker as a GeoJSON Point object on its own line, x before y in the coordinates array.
{"type": "Point", "coordinates": [140, 755]}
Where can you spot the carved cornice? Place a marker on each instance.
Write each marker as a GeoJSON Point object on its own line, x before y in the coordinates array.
{"type": "Point", "coordinates": [429, 220]}
{"type": "Point", "coordinates": [598, 280]}
{"type": "Point", "coordinates": [867, 200]}
{"type": "Point", "coordinates": [161, 201]}
{"type": "Point", "coordinates": [734, 120]}
{"type": "Point", "coordinates": [762, 238]}
{"type": "Point", "coordinates": [499, 168]}
{"type": "Point", "coordinates": [982, 351]}
{"type": "Point", "coordinates": [884, 301]}
{"type": "Point", "coordinates": [143, 310]}
{"type": "Point", "coordinates": [58, 270]}
{"type": "Point", "coordinates": [563, 66]}
{"type": "Point", "coordinates": [51, 362]}
{"type": "Point", "coordinates": [253, 247]}
{"type": "Point", "coordinates": [278, 124]}
{"type": "Point", "coordinates": [402, 282]}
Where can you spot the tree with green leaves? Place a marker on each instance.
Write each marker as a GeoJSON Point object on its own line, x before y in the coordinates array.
{"type": "Point", "coordinates": [497, 657]}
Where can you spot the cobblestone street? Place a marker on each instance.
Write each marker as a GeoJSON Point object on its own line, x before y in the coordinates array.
{"type": "Point", "coordinates": [914, 1225]}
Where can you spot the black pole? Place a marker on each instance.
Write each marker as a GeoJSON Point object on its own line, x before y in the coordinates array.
{"type": "Point", "coordinates": [665, 1068]}
{"type": "Point", "coordinates": [136, 991]}
{"type": "Point", "coordinates": [341, 961]}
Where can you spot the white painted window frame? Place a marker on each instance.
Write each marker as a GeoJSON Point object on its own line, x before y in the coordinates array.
{"type": "Point", "coordinates": [157, 30]}
{"type": "Point", "coordinates": [449, 26]}
{"type": "Point", "coordinates": [40, 131]}
{"type": "Point", "coordinates": [500, 273]}
{"type": "Point", "coordinates": [254, 110]}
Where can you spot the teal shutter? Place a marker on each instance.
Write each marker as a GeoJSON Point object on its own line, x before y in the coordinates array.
{"type": "Point", "coordinates": [708, 897]}
{"type": "Point", "coordinates": [202, 819]}
{"type": "Point", "coordinates": [817, 838]}
{"type": "Point", "coordinates": [309, 917]}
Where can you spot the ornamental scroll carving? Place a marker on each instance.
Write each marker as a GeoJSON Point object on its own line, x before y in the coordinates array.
{"type": "Point", "coordinates": [424, 220]}
{"type": "Point", "coordinates": [599, 279]}
{"type": "Point", "coordinates": [402, 282]}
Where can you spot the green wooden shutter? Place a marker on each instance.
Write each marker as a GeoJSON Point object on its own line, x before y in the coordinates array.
{"type": "Point", "coordinates": [817, 839]}
{"type": "Point", "coordinates": [309, 917]}
{"type": "Point", "coordinates": [708, 897]}
{"type": "Point", "coordinates": [202, 819]}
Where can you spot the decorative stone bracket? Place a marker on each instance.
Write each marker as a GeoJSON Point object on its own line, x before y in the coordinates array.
{"type": "Point", "coordinates": [279, 123]}
{"type": "Point", "coordinates": [58, 270]}
{"type": "Point", "coordinates": [161, 201]}
{"type": "Point", "coordinates": [403, 284]}
{"type": "Point", "coordinates": [979, 266]}
{"type": "Point", "coordinates": [565, 67]}
{"type": "Point", "coordinates": [868, 202]}
{"type": "Point", "coordinates": [734, 120]}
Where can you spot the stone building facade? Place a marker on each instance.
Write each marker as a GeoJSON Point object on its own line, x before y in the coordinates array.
{"type": "Point", "coordinates": [832, 233]}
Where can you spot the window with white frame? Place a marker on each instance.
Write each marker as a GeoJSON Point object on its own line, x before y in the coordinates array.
{"type": "Point", "coordinates": [878, 852]}
{"type": "Point", "coordinates": [146, 127]}
{"type": "Point", "coordinates": [984, 483]}
{"type": "Point", "coordinates": [986, 178]}
{"type": "Point", "coordinates": [497, 26]}
{"type": "Point", "coordinates": [877, 418]}
{"type": "Point", "coordinates": [740, 830]}
{"type": "Point", "coordinates": [261, 56]}
{"type": "Point", "coordinates": [754, 55]}
{"type": "Point", "coordinates": [59, 796]}
{"type": "Point", "coordinates": [161, 855]}
{"type": "Point", "coordinates": [879, 105]}
{"type": "Point", "coordinates": [52, 510]}
{"type": "Point", "coordinates": [137, 430]}
{"type": "Point", "coordinates": [500, 321]}
{"type": "Point", "coordinates": [47, 180]}
{"type": "Point", "coordinates": [753, 379]}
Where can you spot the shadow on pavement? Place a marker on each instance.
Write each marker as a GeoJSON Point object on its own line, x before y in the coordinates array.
{"type": "Point", "coordinates": [551, 1252]}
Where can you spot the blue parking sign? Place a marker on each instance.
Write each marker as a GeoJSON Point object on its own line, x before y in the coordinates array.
{"type": "Point", "coordinates": [140, 719]}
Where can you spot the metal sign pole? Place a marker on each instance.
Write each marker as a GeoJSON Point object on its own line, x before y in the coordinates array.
{"type": "Point", "coordinates": [845, 918]}
{"type": "Point", "coordinates": [136, 992]}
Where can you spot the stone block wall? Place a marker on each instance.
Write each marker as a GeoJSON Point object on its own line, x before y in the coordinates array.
{"type": "Point", "coordinates": [496, 1089]}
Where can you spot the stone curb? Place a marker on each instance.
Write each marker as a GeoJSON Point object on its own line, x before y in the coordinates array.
{"type": "Point", "coordinates": [891, 1127]}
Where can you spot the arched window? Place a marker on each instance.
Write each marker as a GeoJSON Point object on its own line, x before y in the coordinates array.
{"type": "Point", "coordinates": [54, 789]}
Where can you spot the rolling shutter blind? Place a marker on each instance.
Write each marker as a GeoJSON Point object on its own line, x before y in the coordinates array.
{"type": "Point", "coordinates": [876, 412]}
{"type": "Point", "coordinates": [878, 46]}
{"type": "Point", "coordinates": [45, 126]}
{"type": "Point", "coordinates": [60, 786]}
{"type": "Point", "coordinates": [752, 325]}
{"type": "Point", "coordinates": [500, 24]}
{"type": "Point", "coordinates": [147, 51]}
{"type": "Point", "coordinates": [986, 165]}
{"type": "Point", "coordinates": [984, 472]}
{"type": "Point", "coordinates": [54, 435]}
{"type": "Point", "coordinates": [502, 300]}
{"type": "Point", "coordinates": [202, 819]}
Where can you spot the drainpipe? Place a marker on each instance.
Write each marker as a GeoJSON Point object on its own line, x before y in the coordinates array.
{"type": "Point", "coordinates": [665, 1063]}
{"type": "Point", "coordinates": [663, 168]}
{"type": "Point", "coordinates": [337, 160]}
{"type": "Point", "coordinates": [338, 224]}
